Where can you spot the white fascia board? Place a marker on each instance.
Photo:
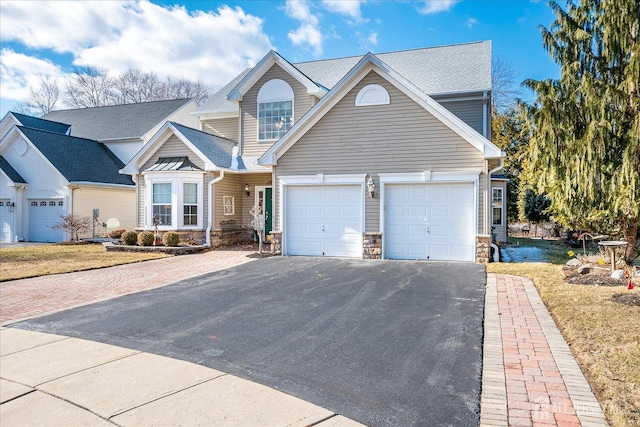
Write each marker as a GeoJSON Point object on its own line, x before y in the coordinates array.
{"type": "Point", "coordinates": [212, 114]}
{"type": "Point", "coordinates": [271, 58]}
{"type": "Point", "coordinates": [131, 187]}
{"type": "Point", "coordinates": [14, 134]}
{"type": "Point", "coordinates": [7, 122]}
{"type": "Point", "coordinates": [154, 144]}
{"type": "Point", "coordinates": [149, 133]}
{"type": "Point", "coordinates": [429, 177]}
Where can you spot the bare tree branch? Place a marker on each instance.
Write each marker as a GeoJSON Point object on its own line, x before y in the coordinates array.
{"type": "Point", "coordinates": [89, 87]}
{"type": "Point", "coordinates": [504, 91]}
{"type": "Point", "coordinates": [45, 97]}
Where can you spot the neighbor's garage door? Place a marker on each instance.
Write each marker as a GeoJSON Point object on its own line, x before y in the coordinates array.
{"type": "Point", "coordinates": [6, 220]}
{"type": "Point", "coordinates": [323, 221]}
{"type": "Point", "coordinates": [430, 221]}
{"type": "Point", "coordinates": [43, 215]}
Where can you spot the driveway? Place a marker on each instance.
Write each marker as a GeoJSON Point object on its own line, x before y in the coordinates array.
{"type": "Point", "coordinates": [381, 342]}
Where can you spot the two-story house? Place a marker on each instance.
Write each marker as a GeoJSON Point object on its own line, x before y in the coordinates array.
{"type": "Point", "coordinates": [376, 156]}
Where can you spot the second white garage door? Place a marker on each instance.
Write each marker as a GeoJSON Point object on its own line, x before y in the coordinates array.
{"type": "Point", "coordinates": [430, 221]}
{"type": "Point", "coordinates": [43, 216]}
{"type": "Point", "coordinates": [323, 220]}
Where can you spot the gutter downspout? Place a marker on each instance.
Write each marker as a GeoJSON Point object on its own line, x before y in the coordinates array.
{"type": "Point", "coordinates": [210, 207]}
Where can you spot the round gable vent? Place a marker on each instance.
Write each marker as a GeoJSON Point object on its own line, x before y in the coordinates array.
{"type": "Point", "coordinates": [21, 147]}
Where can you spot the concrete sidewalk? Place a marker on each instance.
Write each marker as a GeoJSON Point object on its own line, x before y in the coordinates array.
{"type": "Point", "coordinates": [56, 380]}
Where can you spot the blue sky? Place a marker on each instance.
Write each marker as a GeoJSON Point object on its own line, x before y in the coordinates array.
{"type": "Point", "coordinates": [215, 40]}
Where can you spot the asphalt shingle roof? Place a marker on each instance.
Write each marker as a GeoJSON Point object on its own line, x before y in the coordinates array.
{"type": "Point", "coordinates": [218, 150]}
{"type": "Point", "coordinates": [78, 159]}
{"type": "Point", "coordinates": [34, 122]}
{"type": "Point", "coordinates": [218, 101]}
{"type": "Point", "coordinates": [434, 70]}
{"type": "Point", "coordinates": [116, 121]}
{"type": "Point", "coordinates": [11, 172]}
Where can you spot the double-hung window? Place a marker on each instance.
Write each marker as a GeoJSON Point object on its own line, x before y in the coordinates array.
{"type": "Point", "coordinates": [496, 205]}
{"type": "Point", "coordinates": [275, 110]}
{"type": "Point", "coordinates": [175, 200]}
{"type": "Point", "coordinates": [190, 203]}
{"type": "Point", "coordinates": [162, 203]}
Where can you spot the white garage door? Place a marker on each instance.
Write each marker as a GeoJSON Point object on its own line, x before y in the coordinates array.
{"type": "Point", "coordinates": [43, 215]}
{"type": "Point", "coordinates": [323, 221]}
{"type": "Point", "coordinates": [6, 220]}
{"type": "Point", "coordinates": [430, 221]}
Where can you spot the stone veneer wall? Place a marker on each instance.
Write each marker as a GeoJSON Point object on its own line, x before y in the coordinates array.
{"type": "Point", "coordinates": [228, 237]}
{"type": "Point", "coordinates": [276, 242]}
{"type": "Point", "coordinates": [482, 248]}
{"type": "Point", "coordinates": [372, 246]}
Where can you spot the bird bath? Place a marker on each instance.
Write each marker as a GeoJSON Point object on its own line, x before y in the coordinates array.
{"type": "Point", "coordinates": [612, 245]}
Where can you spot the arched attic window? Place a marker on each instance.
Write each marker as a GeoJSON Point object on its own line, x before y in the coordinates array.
{"type": "Point", "coordinates": [372, 95]}
{"type": "Point", "coordinates": [275, 110]}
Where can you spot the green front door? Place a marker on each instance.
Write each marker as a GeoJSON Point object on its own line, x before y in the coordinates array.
{"type": "Point", "coordinates": [268, 210]}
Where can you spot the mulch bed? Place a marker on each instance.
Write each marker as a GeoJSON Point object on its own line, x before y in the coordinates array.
{"type": "Point", "coordinates": [632, 299]}
{"type": "Point", "coordinates": [598, 279]}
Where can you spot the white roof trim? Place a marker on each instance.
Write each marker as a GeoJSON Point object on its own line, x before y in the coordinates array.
{"type": "Point", "coordinates": [371, 63]}
{"type": "Point", "coordinates": [166, 119]}
{"type": "Point", "coordinates": [154, 144]}
{"type": "Point", "coordinates": [271, 58]}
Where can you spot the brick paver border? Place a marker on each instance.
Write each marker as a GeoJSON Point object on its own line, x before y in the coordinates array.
{"type": "Point", "coordinates": [530, 377]}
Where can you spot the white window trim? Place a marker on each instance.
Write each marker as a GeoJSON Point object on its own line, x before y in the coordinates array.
{"type": "Point", "coordinates": [361, 100]}
{"type": "Point", "coordinates": [176, 179]}
{"type": "Point", "coordinates": [318, 179]}
{"type": "Point", "coordinates": [501, 207]}
{"type": "Point", "coordinates": [427, 177]}
{"type": "Point", "coordinates": [271, 95]}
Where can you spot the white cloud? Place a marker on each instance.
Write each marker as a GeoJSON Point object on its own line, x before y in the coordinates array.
{"type": "Point", "coordinates": [308, 34]}
{"type": "Point", "coordinates": [367, 43]}
{"type": "Point", "coordinates": [436, 6]}
{"type": "Point", "coordinates": [350, 8]}
{"type": "Point", "coordinates": [212, 46]}
{"type": "Point", "coordinates": [373, 39]}
{"type": "Point", "coordinates": [20, 71]}
{"type": "Point", "coordinates": [470, 22]}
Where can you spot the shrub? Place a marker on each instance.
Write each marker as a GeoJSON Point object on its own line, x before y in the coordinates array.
{"type": "Point", "coordinates": [171, 238]}
{"type": "Point", "coordinates": [129, 238]}
{"type": "Point", "coordinates": [145, 238]}
{"type": "Point", "coordinates": [116, 234]}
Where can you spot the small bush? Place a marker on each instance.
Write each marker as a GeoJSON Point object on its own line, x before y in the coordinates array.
{"type": "Point", "coordinates": [145, 238]}
{"type": "Point", "coordinates": [129, 238]}
{"type": "Point", "coordinates": [171, 238]}
{"type": "Point", "coordinates": [116, 234]}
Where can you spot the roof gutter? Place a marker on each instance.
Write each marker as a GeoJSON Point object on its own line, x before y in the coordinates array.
{"type": "Point", "coordinates": [210, 213]}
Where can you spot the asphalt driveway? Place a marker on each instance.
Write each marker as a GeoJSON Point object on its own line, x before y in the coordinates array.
{"type": "Point", "coordinates": [382, 342]}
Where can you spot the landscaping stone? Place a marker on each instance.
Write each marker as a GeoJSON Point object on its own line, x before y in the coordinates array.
{"type": "Point", "coordinates": [585, 269]}
{"type": "Point", "coordinates": [573, 263]}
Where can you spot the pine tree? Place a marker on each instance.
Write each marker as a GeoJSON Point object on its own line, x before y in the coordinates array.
{"type": "Point", "coordinates": [584, 147]}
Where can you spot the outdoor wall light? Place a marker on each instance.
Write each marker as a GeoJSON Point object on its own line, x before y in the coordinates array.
{"type": "Point", "coordinates": [371, 187]}
{"type": "Point", "coordinates": [11, 205]}
{"type": "Point", "coordinates": [246, 189]}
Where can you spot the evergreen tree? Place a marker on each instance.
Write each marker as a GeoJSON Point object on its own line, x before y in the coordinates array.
{"type": "Point", "coordinates": [584, 147]}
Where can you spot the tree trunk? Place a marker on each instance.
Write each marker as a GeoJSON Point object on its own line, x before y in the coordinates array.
{"type": "Point", "coordinates": [630, 226]}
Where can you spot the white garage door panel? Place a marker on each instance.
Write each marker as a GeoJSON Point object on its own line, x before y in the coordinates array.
{"type": "Point", "coordinates": [430, 221]}
{"type": "Point", "coordinates": [323, 221]}
{"type": "Point", "coordinates": [43, 215]}
{"type": "Point", "coordinates": [6, 221]}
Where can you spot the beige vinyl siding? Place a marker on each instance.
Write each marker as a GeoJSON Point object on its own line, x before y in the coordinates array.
{"type": "Point", "coordinates": [173, 147]}
{"type": "Point", "coordinates": [249, 109]}
{"type": "Point", "coordinates": [396, 138]}
{"type": "Point", "coordinates": [470, 111]}
{"type": "Point", "coordinates": [117, 207]}
{"type": "Point", "coordinates": [226, 128]}
{"type": "Point", "coordinates": [231, 185]}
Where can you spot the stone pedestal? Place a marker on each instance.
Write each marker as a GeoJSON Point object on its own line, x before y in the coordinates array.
{"type": "Point", "coordinates": [372, 246]}
{"type": "Point", "coordinates": [483, 249]}
{"type": "Point", "coordinates": [276, 242]}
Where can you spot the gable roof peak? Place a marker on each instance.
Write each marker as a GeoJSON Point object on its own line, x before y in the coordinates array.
{"type": "Point", "coordinates": [272, 57]}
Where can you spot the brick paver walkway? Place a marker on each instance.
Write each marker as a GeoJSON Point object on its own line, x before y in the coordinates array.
{"type": "Point", "coordinates": [530, 377]}
{"type": "Point", "coordinates": [20, 299]}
